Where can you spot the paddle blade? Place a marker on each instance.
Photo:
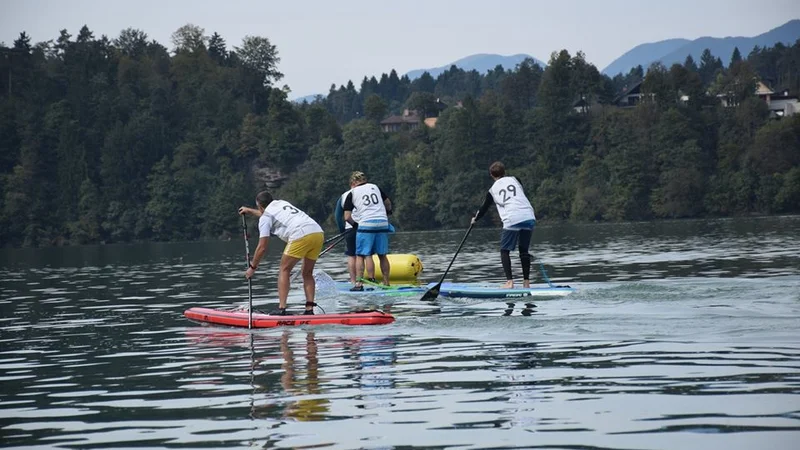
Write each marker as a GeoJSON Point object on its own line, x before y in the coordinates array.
{"type": "Point", "coordinates": [432, 293]}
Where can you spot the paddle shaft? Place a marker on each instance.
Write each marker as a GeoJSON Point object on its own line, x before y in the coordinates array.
{"type": "Point", "coordinates": [333, 238]}
{"type": "Point", "coordinates": [433, 292]}
{"type": "Point", "coordinates": [249, 281]}
{"type": "Point", "coordinates": [336, 240]}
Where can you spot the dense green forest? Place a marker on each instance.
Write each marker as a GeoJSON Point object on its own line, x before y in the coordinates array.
{"type": "Point", "coordinates": [124, 139]}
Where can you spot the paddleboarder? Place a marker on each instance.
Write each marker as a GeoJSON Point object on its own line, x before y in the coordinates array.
{"type": "Point", "coordinates": [368, 208]}
{"type": "Point", "coordinates": [518, 218]}
{"type": "Point", "coordinates": [350, 239]}
{"type": "Point", "coordinates": [303, 237]}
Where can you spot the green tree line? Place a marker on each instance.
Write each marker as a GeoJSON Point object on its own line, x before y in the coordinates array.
{"type": "Point", "coordinates": [124, 139]}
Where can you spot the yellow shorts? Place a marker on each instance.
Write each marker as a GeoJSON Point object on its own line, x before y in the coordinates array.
{"type": "Point", "coordinates": [308, 246]}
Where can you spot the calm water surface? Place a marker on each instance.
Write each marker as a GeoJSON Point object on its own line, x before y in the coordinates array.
{"type": "Point", "coordinates": [683, 335]}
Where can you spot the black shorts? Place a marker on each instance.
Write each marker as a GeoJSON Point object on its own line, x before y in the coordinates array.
{"type": "Point", "coordinates": [350, 244]}
{"type": "Point", "coordinates": [510, 238]}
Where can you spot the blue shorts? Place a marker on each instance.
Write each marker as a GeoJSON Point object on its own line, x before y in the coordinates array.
{"type": "Point", "coordinates": [519, 234]}
{"type": "Point", "coordinates": [368, 244]}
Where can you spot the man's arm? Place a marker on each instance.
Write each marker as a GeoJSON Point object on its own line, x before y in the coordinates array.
{"type": "Point", "coordinates": [338, 214]}
{"type": "Point", "coordinates": [263, 243]}
{"type": "Point", "coordinates": [348, 217]}
{"type": "Point", "coordinates": [487, 202]}
{"type": "Point", "coordinates": [387, 202]}
{"type": "Point", "coordinates": [348, 209]}
{"type": "Point", "coordinates": [261, 249]}
{"type": "Point", "coordinates": [249, 211]}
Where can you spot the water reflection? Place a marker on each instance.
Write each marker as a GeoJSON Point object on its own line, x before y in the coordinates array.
{"type": "Point", "coordinates": [302, 380]}
{"type": "Point", "coordinates": [374, 360]}
{"type": "Point", "coordinates": [527, 309]}
{"type": "Point", "coordinates": [366, 363]}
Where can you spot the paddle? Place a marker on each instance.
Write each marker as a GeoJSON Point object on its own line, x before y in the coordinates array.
{"type": "Point", "coordinates": [331, 239]}
{"type": "Point", "coordinates": [336, 239]}
{"type": "Point", "coordinates": [433, 292]}
{"type": "Point", "coordinates": [249, 282]}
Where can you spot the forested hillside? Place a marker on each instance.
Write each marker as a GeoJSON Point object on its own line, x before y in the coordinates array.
{"type": "Point", "coordinates": [123, 139]}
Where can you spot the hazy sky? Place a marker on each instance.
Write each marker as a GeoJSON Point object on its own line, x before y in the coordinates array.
{"type": "Point", "coordinates": [324, 41]}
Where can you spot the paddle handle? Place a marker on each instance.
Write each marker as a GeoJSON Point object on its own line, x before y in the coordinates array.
{"type": "Point", "coordinates": [249, 281]}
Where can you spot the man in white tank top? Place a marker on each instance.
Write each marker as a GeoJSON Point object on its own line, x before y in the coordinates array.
{"type": "Point", "coordinates": [350, 239]}
{"type": "Point", "coordinates": [518, 219]}
{"type": "Point", "coordinates": [369, 207]}
{"type": "Point", "coordinates": [303, 237]}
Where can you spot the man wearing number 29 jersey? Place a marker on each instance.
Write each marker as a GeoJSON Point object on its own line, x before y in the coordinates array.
{"type": "Point", "coordinates": [367, 206]}
{"type": "Point", "coordinates": [518, 219]}
{"type": "Point", "coordinates": [303, 237]}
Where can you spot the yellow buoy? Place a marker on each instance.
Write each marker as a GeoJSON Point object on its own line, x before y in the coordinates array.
{"type": "Point", "coordinates": [402, 268]}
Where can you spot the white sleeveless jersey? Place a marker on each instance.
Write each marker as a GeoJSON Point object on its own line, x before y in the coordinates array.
{"type": "Point", "coordinates": [285, 221]}
{"type": "Point", "coordinates": [347, 225]}
{"type": "Point", "coordinates": [368, 205]}
{"type": "Point", "coordinates": [512, 205]}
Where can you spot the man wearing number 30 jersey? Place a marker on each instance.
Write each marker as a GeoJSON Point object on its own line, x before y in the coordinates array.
{"type": "Point", "coordinates": [518, 219]}
{"type": "Point", "coordinates": [367, 206]}
{"type": "Point", "coordinates": [303, 237]}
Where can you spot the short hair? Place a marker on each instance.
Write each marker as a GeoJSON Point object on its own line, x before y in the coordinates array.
{"type": "Point", "coordinates": [497, 169]}
{"type": "Point", "coordinates": [357, 177]}
{"type": "Point", "coordinates": [263, 199]}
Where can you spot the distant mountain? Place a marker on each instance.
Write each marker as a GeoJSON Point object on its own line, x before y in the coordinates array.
{"type": "Point", "coordinates": [481, 62]}
{"type": "Point", "coordinates": [644, 52]}
{"type": "Point", "coordinates": [676, 50]}
{"type": "Point", "coordinates": [308, 98]}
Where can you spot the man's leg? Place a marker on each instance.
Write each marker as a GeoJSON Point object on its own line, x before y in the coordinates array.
{"type": "Point", "coordinates": [367, 249]}
{"type": "Point", "coordinates": [369, 263]}
{"type": "Point", "coordinates": [370, 267]}
{"type": "Point", "coordinates": [309, 285]}
{"type": "Point", "coordinates": [287, 264]}
{"type": "Point", "coordinates": [363, 250]}
{"type": "Point", "coordinates": [505, 259]}
{"type": "Point", "coordinates": [350, 251]}
{"type": "Point", "coordinates": [359, 270]}
{"type": "Point", "coordinates": [525, 256]}
{"type": "Point", "coordinates": [508, 240]}
{"type": "Point", "coordinates": [351, 268]}
{"type": "Point", "coordinates": [384, 262]}
{"type": "Point", "coordinates": [381, 247]}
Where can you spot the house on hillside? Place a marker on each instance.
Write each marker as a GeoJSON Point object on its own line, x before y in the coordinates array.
{"type": "Point", "coordinates": [580, 106]}
{"type": "Point", "coordinates": [440, 106]}
{"type": "Point", "coordinates": [783, 104]}
{"type": "Point", "coordinates": [409, 120]}
{"type": "Point", "coordinates": [763, 92]}
{"type": "Point", "coordinates": [780, 104]}
{"type": "Point", "coordinates": [630, 96]}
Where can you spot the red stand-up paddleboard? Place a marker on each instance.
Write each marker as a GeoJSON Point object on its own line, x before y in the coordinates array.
{"type": "Point", "coordinates": [240, 318]}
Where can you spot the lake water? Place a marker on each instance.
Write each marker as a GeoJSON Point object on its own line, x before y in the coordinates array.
{"type": "Point", "coordinates": [683, 335]}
